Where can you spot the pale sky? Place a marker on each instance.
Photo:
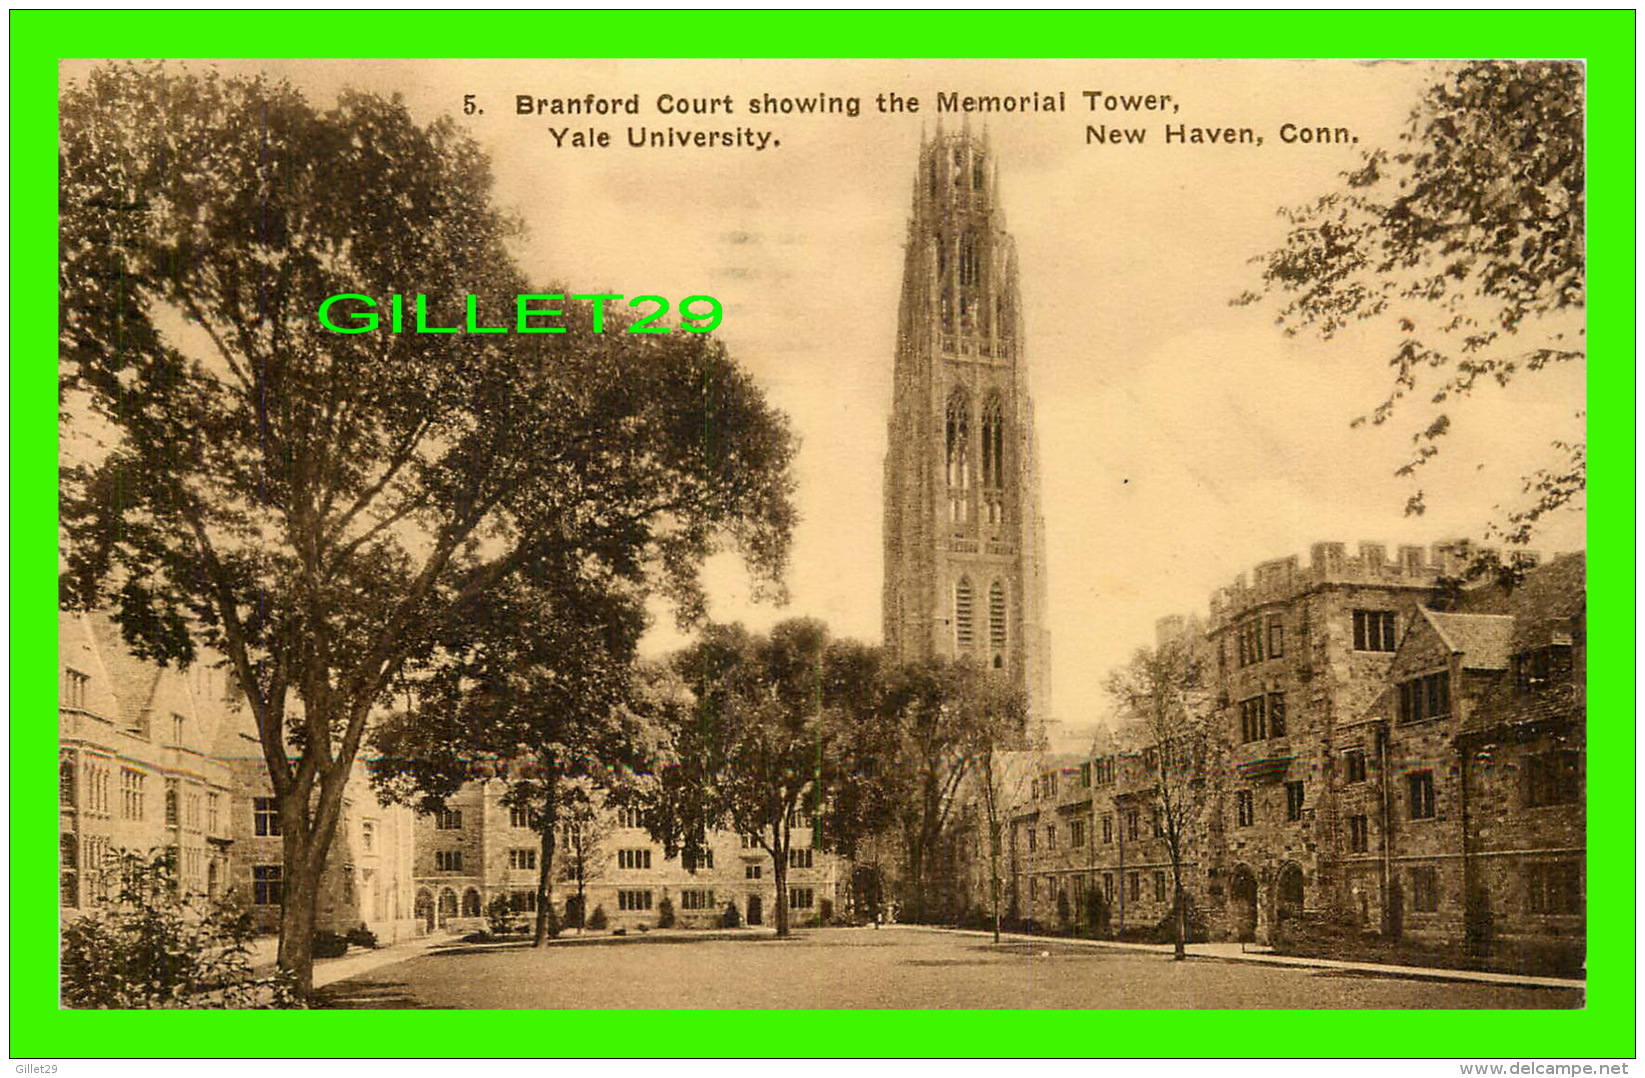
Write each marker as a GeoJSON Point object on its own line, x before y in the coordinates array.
{"type": "Point", "coordinates": [1182, 440]}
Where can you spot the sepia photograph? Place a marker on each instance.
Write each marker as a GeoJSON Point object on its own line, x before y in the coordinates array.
{"type": "Point", "coordinates": [823, 535]}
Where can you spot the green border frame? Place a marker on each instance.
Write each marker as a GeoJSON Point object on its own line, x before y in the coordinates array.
{"type": "Point", "coordinates": [1605, 39]}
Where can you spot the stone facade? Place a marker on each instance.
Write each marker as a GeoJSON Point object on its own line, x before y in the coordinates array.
{"type": "Point", "coordinates": [135, 764]}
{"type": "Point", "coordinates": [156, 759]}
{"type": "Point", "coordinates": [368, 876]}
{"type": "Point", "coordinates": [626, 874]}
{"type": "Point", "coordinates": [1299, 655]}
{"type": "Point", "coordinates": [1388, 753]}
{"type": "Point", "coordinates": [964, 544]}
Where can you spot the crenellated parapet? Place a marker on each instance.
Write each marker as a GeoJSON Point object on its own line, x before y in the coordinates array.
{"type": "Point", "coordinates": [1329, 563]}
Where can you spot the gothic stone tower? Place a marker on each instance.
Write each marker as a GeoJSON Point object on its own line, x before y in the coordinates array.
{"type": "Point", "coordinates": [964, 549]}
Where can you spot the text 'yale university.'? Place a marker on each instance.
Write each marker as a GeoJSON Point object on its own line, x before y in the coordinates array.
{"type": "Point", "coordinates": [1389, 750]}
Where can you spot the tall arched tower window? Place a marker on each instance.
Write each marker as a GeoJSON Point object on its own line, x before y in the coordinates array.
{"type": "Point", "coordinates": [958, 455]}
{"type": "Point", "coordinates": [993, 459]}
{"type": "Point", "coordinates": [993, 443]}
{"type": "Point", "coordinates": [969, 272]}
{"type": "Point", "coordinates": [996, 617]}
{"type": "Point", "coordinates": [964, 620]}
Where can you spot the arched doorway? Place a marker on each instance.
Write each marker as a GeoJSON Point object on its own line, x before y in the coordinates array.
{"type": "Point", "coordinates": [471, 903]}
{"type": "Point", "coordinates": [1242, 905]}
{"type": "Point", "coordinates": [448, 905]}
{"type": "Point", "coordinates": [1288, 892]}
{"type": "Point", "coordinates": [756, 916]}
{"type": "Point", "coordinates": [424, 908]}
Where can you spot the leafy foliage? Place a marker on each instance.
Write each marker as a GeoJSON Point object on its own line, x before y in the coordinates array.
{"type": "Point", "coordinates": [528, 686]}
{"type": "Point", "coordinates": [1470, 238]}
{"type": "Point", "coordinates": [947, 720]}
{"type": "Point", "coordinates": [1161, 695]}
{"type": "Point", "coordinates": [747, 726]}
{"type": "Point", "coordinates": [320, 509]}
{"type": "Point", "coordinates": [500, 917]}
{"type": "Point", "coordinates": [148, 946]}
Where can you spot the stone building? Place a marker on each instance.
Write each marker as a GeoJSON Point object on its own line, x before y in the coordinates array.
{"type": "Point", "coordinates": [964, 546]}
{"type": "Point", "coordinates": [156, 759]}
{"type": "Point", "coordinates": [1423, 777]}
{"type": "Point", "coordinates": [1300, 653]}
{"type": "Point", "coordinates": [368, 875]}
{"type": "Point", "coordinates": [135, 765]}
{"type": "Point", "coordinates": [1481, 738]}
{"type": "Point", "coordinates": [1050, 843]}
{"type": "Point", "coordinates": [480, 848]}
{"type": "Point", "coordinates": [1089, 850]}
{"type": "Point", "coordinates": [1388, 752]}
{"type": "Point", "coordinates": [1093, 829]}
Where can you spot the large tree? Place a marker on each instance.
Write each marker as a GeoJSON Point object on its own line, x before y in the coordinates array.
{"type": "Point", "coordinates": [528, 686]}
{"type": "Point", "coordinates": [1161, 701]}
{"type": "Point", "coordinates": [586, 826]}
{"type": "Point", "coordinates": [1468, 239]}
{"type": "Point", "coordinates": [750, 737]}
{"type": "Point", "coordinates": [315, 507]}
{"type": "Point", "coordinates": [949, 717]}
{"type": "Point", "coordinates": [1002, 771]}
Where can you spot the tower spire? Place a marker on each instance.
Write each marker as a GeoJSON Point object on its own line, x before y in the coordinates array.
{"type": "Point", "coordinates": [964, 549]}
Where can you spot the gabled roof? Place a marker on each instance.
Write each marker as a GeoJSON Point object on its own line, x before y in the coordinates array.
{"type": "Point", "coordinates": [134, 693]}
{"type": "Point", "coordinates": [1485, 641]}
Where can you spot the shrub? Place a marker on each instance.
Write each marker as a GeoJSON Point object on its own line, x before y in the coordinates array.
{"type": "Point", "coordinates": [826, 916]}
{"type": "Point", "coordinates": [665, 913]}
{"type": "Point", "coordinates": [1098, 917]}
{"type": "Point", "coordinates": [731, 918]}
{"type": "Point", "coordinates": [362, 937]}
{"type": "Point", "coordinates": [597, 919]}
{"type": "Point", "coordinates": [554, 924]}
{"type": "Point", "coordinates": [500, 919]}
{"type": "Point", "coordinates": [1199, 925]}
{"type": "Point", "coordinates": [329, 945]}
{"type": "Point", "coordinates": [146, 946]}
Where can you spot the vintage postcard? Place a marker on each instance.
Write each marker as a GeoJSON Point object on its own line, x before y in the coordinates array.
{"type": "Point", "coordinates": [844, 534]}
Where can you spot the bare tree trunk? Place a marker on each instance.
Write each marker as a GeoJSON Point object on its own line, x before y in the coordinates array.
{"type": "Point", "coordinates": [779, 875]}
{"type": "Point", "coordinates": [545, 866]}
{"type": "Point", "coordinates": [582, 886]}
{"type": "Point", "coordinates": [305, 840]}
{"type": "Point", "coordinates": [299, 899]}
{"type": "Point", "coordinates": [994, 868]}
{"type": "Point", "coordinates": [1181, 918]}
{"type": "Point", "coordinates": [996, 905]}
{"type": "Point", "coordinates": [781, 842]}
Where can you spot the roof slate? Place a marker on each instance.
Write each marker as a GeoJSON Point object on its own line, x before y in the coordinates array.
{"type": "Point", "coordinates": [1485, 641]}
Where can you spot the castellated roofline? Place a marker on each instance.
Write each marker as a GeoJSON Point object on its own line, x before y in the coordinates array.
{"type": "Point", "coordinates": [1281, 579]}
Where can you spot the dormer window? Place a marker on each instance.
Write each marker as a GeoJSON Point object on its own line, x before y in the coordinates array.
{"type": "Point", "coordinates": [1536, 670]}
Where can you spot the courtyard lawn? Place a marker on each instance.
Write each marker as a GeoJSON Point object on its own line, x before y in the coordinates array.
{"type": "Point", "coordinates": [889, 967]}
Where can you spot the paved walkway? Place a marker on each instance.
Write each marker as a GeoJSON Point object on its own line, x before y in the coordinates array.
{"type": "Point", "coordinates": [265, 950]}
{"type": "Point", "coordinates": [897, 967]}
{"type": "Point", "coordinates": [1240, 952]}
